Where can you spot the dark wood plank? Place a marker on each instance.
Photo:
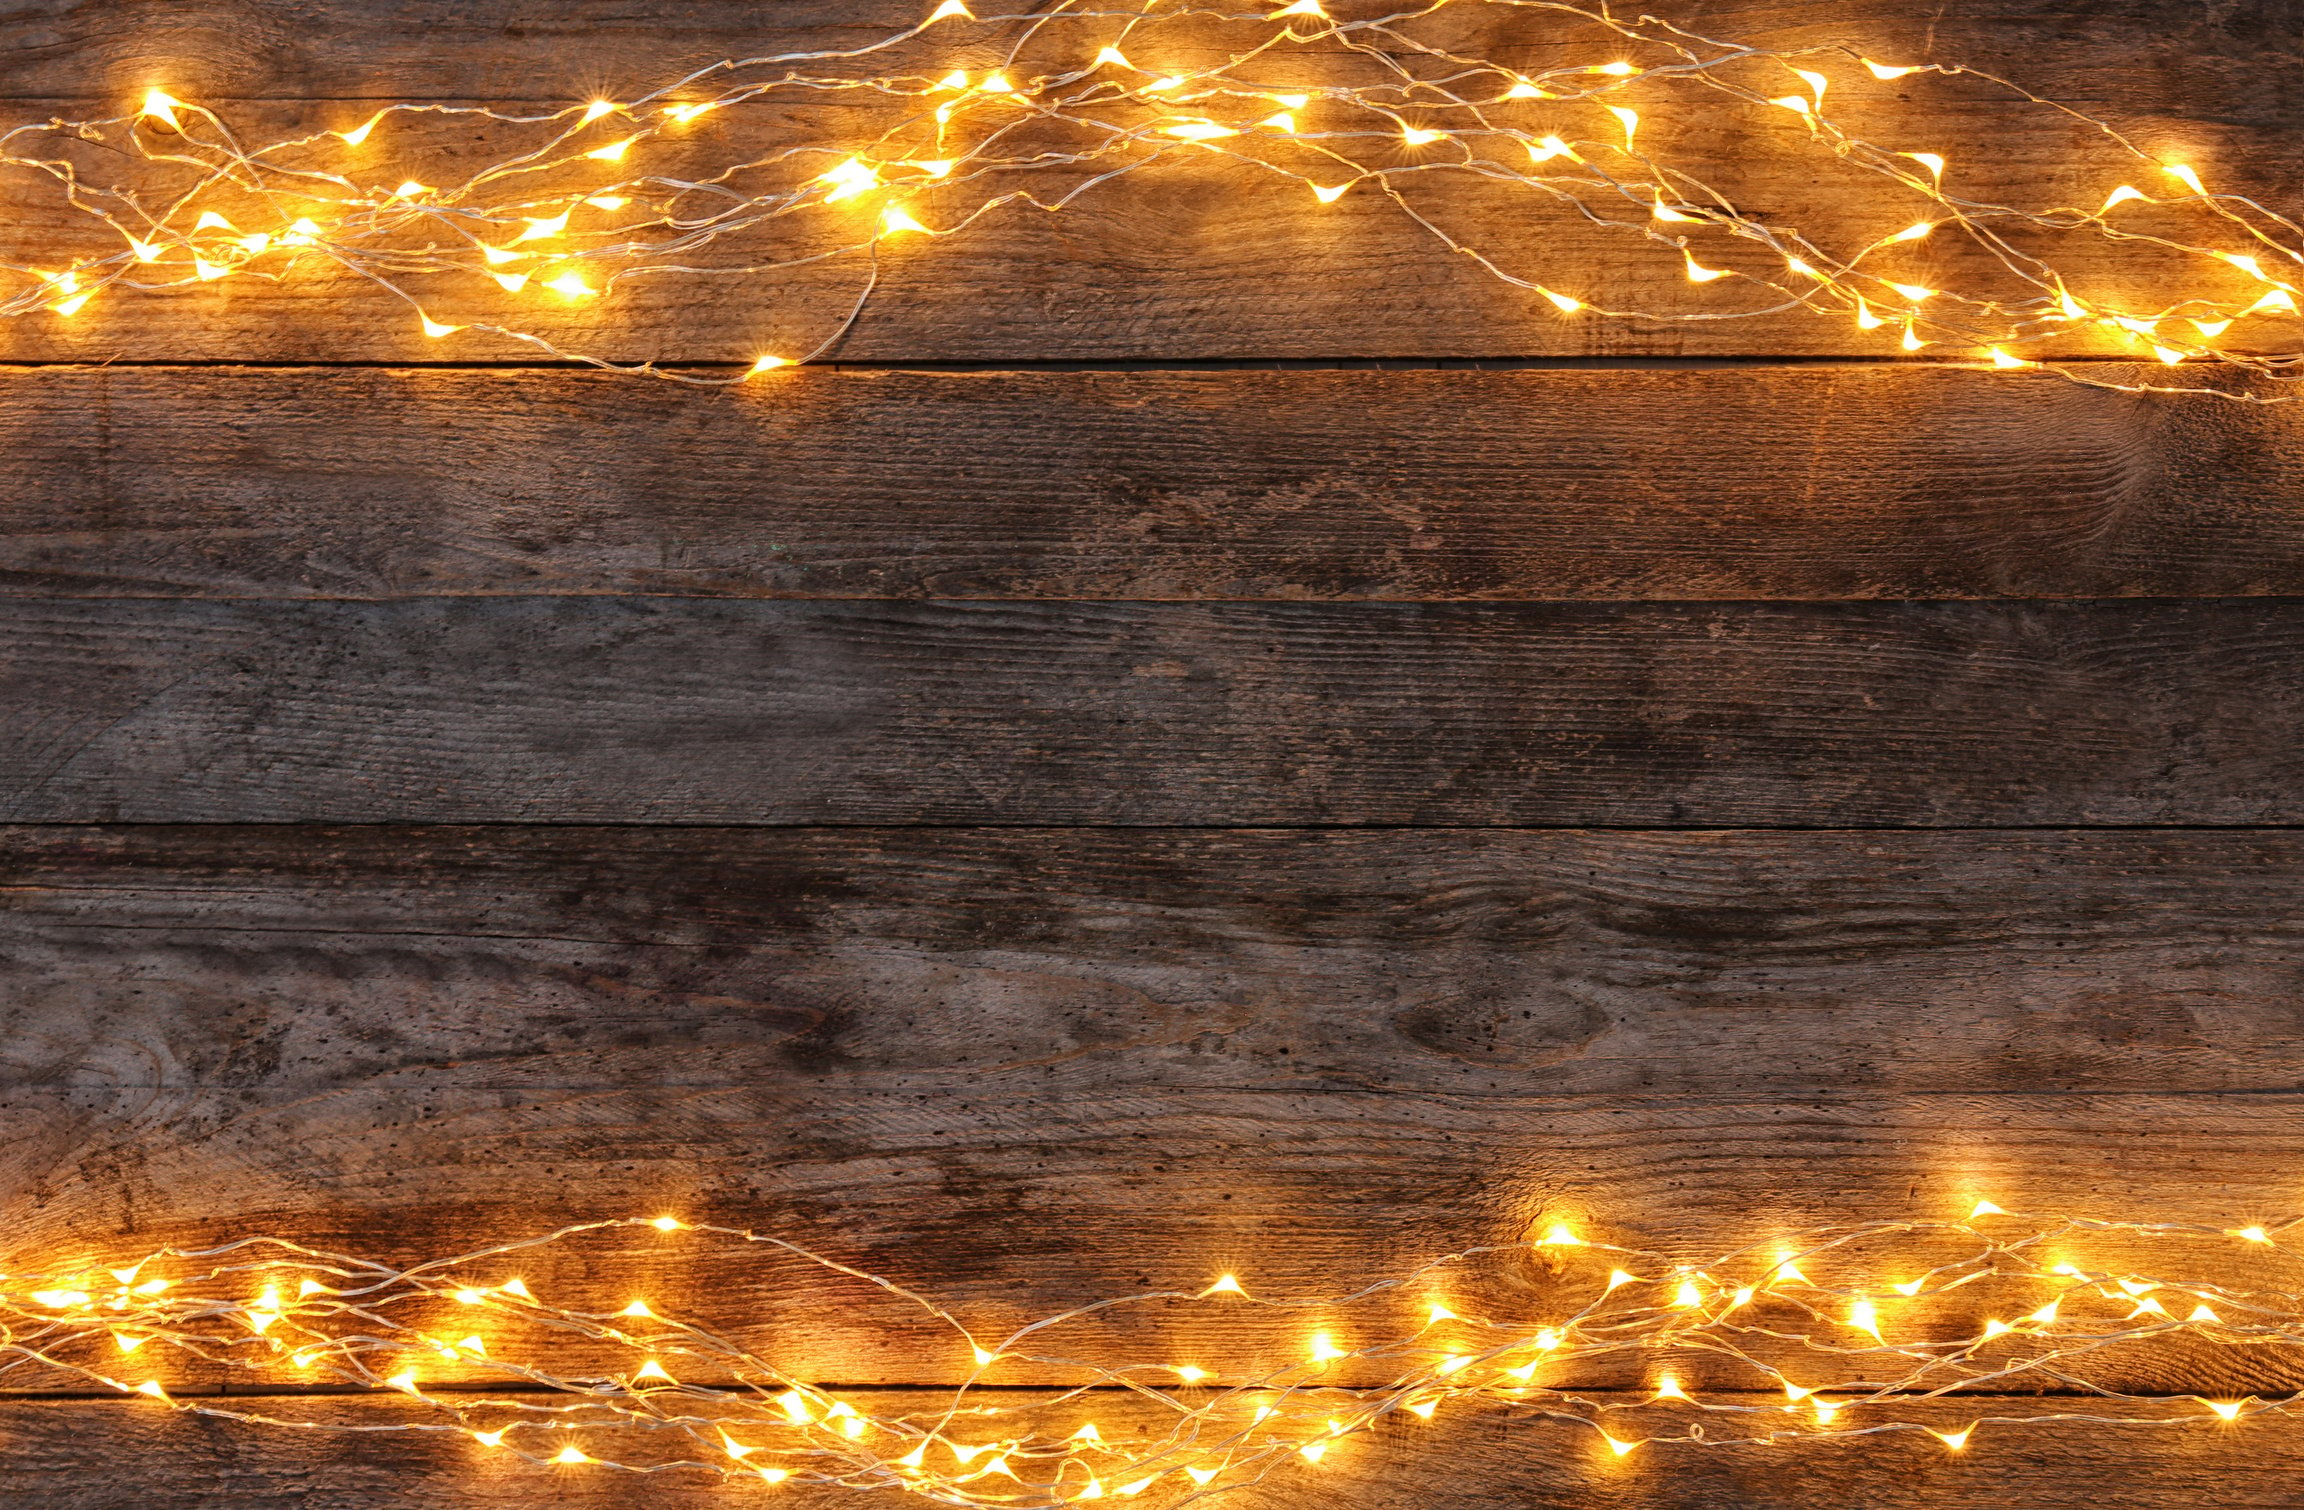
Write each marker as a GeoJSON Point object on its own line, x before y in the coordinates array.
{"type": "Point", "coordinates": [1438, 964]}
{"type": "Point", "coordinates": [1027, 1070]}
{"type": "Point", "coordinates": [2144, 56]}
{"type": "Point", "coordinates": [1479, 1461]}
{"type": "Point", "coordinates": [678, 710]}
{"type": "Point", "coordinates": [1789, 482]}
{"type": "Point", "coordinates": [99, 1455]}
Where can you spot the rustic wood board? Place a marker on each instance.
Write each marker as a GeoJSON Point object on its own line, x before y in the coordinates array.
{"type": "Point", "coordinates": [639, 710]}
{"type": "Point", "coordinates": [80, 1455]}
{"type": "Point", "coordinates": [1783, 482]}
{"type": "Point", "coordinates": [2149, 57]}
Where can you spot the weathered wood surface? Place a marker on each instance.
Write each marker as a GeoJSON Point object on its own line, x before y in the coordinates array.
{"type": "Point", "coordinates": [82, 1455]}
{"type": "Point", "coordinates": [1022, 1071]}
{"type": "Point", "coordinates": [1781, 483]}
{"type": "Point", "coordinates": [639, 710]}
{"type": "Point", "coordinates": [2148, 57]}
{"type": "Point", "coordinates": [1193, 261]}
{"type": "Point", "coordinates": [1517, 963]}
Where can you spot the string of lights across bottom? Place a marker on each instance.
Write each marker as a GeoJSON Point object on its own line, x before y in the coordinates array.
{"type": "Point", "coordinates": [1559, 148]}
{"type": "Point", "coordinates": [1844, 1331]}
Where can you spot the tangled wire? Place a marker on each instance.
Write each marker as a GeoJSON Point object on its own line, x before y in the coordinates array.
{"type": "Point", "coordinates": [1850, 1330]}
{"type": "Point", "coordinates": [752, 170]}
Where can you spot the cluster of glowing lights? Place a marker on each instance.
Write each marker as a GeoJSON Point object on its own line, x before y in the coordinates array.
{"type": "Point", "coordinates": [1845, 1331]}
{"type": "Point", "coordinates": [541, 229]}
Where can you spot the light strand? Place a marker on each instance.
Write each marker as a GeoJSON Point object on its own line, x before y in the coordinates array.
{"type": "Point", "coordinates": [1853, 1330]}
{"type": "Point", "coordinates": [709, 177]}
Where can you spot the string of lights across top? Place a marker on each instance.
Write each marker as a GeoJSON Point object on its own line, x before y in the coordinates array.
{"type": "Point", "coordinates": [1855, 1330]}
{"type": "Point", "coordinates": [758, 173]}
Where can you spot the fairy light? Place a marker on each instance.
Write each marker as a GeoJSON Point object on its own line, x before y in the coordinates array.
{"type": "Point", "coordinates": [1598, 131]}
{"type": "Point", "coordinates": [688, 1396]}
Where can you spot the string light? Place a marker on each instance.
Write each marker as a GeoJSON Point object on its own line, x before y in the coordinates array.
{"type": "Point", "coordinates": [719, 188]}
{"type": "Point", "coordinates": [559, 1383]}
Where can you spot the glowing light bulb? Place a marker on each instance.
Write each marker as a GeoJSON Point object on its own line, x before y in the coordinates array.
{"type": "Point", "coordinates": [1323, 1349]}
{"type": "Point", "coordinates": [1418, 137]}
{"type": "Point", "coordinates": [614, 151]}
{"type": "Point", "coordinates": [1198, 131]}
{"type": "Point", "coordinates": [1688, 1297]}
{"type": "Point", "coordinates": [1918, 295]}
{"type": "Point", "coordinates": [1566, 306]}
{"type": "Point", "coordinates": [1329, 194]}
{"type": "Point", "coordinates": [1668, 1388]}
{"type": "Point", "coordinates": [1113, 57]}
{"type": "Point", "coordinates": [766, 364]}
{"type": "Point", "coordinates": [2226, 1410]}
{"type": "Point", "coordinates": [1698, 273]}
{"type": "Point", "coordinates": [2184, 176]}
{"type": "Point", "coordinates": [894, 221]}
{"type": "Point", "coordinates": [637, 1308]}
{"type": "Point", "coordinates": [570, 1455]}
{"type": "Point", "coordinates": [1885, 71]}
{"type": "Point", "coordinates": [160, 105]}
{"type": "Point", "coordinates": [616, 202]}
{"type": "Point", "coordinates": [1301, 8]}
{"type": "Point", "coordinates": [1933, 162]}
{"type": "Point", "coordinates": [571, 286]}
{"type": "Point", "coordinates": [364, 130]}
{"type": "Point", "coordinates": [2121, 196]}
{"type": "Point", "coordinates": [1865, 1317]}
{"type": "Point", "coordinates": [1914, 232]}
{"type": "Point", "coordinates": [950, 10]}
{"type": "Point", "coordinates": [2003, 360]}
{"type": "Point", "coordinates": [1629, 119]}
{"type": "Point", "coordinates": [435, 329]}
{"type": "Point", "coordinates": [1616, 1447]}
{"type": "Point", "coordinates": [538, 229]}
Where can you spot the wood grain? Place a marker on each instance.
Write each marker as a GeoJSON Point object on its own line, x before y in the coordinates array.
{"type": "Point", "coordinates": [1027, 1070]}
{"type": "Point", "coordinates": [1776, 483]}
{"type": "Point", "coordinates": [98, 1455]}
{"type": "Point", "coordinates": [685, 711]}
{"type": "Point", "coordinates": [2149, 57]}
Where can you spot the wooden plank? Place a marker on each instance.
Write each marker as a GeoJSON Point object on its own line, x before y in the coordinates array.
{"type": "Point", "coordinates": [686, 711]}
{"type": "Point", "coordinates": [1553, 963]}
{"type": "Point", "coordinates": [1024, 1071]}
{"type": "Point", "coordinates": [1789, 482]}
{"type": "Point", "coordinates": [96, 1455]}
{"type": "Point", "coordinates": [1172, 265]}
{"type": "Point", "coordinates": [2151, 57]}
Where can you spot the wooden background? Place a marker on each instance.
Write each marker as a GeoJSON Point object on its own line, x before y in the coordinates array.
{"type": "Point", "coordinates": [1158, 761]}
